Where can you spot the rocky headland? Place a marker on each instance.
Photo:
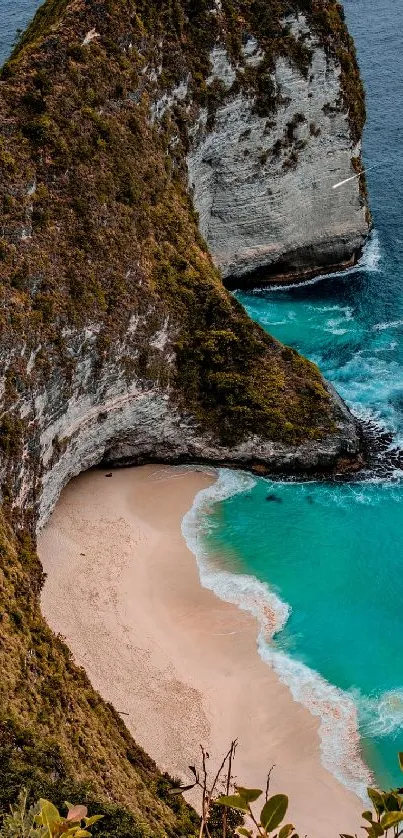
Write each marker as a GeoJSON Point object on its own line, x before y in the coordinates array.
{"type": "Point", "coordinates": [147, 152]}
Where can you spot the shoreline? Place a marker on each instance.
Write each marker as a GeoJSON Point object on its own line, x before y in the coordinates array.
{"type": "Point", "coordinates": [124, 590]}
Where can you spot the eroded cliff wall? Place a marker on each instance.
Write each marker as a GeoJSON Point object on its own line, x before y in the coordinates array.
{"type": "Point", "coordinates": [118, 339]}
{"type": "Point", "coordinates": [262, 178]}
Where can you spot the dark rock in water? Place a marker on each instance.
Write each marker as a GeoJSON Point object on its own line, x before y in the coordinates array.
{"type": "Point", "coordinates": [274, 498]}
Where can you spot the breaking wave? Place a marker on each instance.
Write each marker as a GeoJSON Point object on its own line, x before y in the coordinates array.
{"type": "Point", "coordinates": [337, 710]}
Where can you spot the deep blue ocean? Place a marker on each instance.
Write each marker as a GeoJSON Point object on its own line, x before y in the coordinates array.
{"type": "Point", "coordinates": [327, 559]}
{"type": "Point", "coordinates": [14, 17]}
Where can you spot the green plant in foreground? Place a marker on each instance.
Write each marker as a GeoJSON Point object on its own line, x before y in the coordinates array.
{"type": "Point", "coordinates": [271, 815]}
{"type": "Point", "coordinates": [43, 820]}
{"type": "Point", "coordinates": [226, 815]}
{"type": "Point", "coordinates": [387, 819]}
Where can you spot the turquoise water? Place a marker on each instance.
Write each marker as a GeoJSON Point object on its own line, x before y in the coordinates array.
{"type": "Point", "coordinates": [334, 553]}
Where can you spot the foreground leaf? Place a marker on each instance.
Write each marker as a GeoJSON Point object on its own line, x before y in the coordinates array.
{"type": "Point", "coordinates": [392, 802]}
{"type": "Point", "coordinates": [391, 819]}
{"type": "Point", "coordinates": [180, 789]}
{"type": "Point", "coordinates": [93, 819]}
{"type": "Point", "coordinates": [377, 799]}
{"type": "Point", "coordinates": [273, 811]}
{"type": "Point", "coordinates": [48, 815]}
{"type": "Point", "coordinates": [286, 831]}
{"type": "Point", "coordinates": [374, 831]}
{"type": "Point", "coordinates": [77, 813]}
{"type": "Point", "coordinates": [248, 795]}
{"type": "Point", "coordinates": [234, 801]}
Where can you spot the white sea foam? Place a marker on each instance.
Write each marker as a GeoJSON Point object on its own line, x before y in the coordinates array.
{"type": "Point", "coordinates": [393, 324]}
{"type": "Point", "coordinates": [338, 714]}
{"type": "Point", "coordinates": [367, 414]}
{"type": "Point", "coordinates": [337, 710]}
{"type": "Point", "coordinates": [381, 715]}
{"type": "Point", "coordinates": [240, 589]}
{"type": "Point", "coordinates": [334, 326]}
{"type": "Point", "coordinates": [372, 254]}
{"type": "Point", "coordinates": [346, 310]}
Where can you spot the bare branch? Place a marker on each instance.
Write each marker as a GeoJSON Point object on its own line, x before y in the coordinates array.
{"type": "Point", "coordinates": [268, 782]}
{"type": "Point", "coordinates": [227, 756]}
{"type": "Point", "coordinates": [228, 784]}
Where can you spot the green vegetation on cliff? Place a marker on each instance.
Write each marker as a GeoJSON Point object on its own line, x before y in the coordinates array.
{"type": "Point", "coordinates": [98, 227]}
{"type": "Point", "coordinates": [57, 736]}
{"type": "Point", "coordinates": [98, 195]}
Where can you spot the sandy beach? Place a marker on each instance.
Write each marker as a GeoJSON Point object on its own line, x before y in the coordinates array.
{"type": "Point", "coordinates": [124, 591]}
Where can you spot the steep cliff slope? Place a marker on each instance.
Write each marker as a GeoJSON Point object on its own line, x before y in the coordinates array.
{"type": "Point", "coordinates": [57, 737]}
{"type": "Point", "coordinates": [117, 333]}
{"type": "Point", "coordinates": [118, 340]}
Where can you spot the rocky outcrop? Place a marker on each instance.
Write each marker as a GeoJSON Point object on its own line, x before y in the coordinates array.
{"type": "Point", "coordinates": [262, 183]}
{"type": "Point", "coordinates": [118, 340]}
{"type": "Point", "coordinates": [103, 417]}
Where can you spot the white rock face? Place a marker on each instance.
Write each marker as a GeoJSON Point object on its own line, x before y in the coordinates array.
{"type": "Point", "coordinates": [259, 206]}
{"type": "Point", "coordinates": [103, 413]}
{"type": "Point", "coordinates": [134, 425]}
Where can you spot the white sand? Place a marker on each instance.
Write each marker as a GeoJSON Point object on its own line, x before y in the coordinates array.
{"type": "Point", "coordinates": [163, 650]}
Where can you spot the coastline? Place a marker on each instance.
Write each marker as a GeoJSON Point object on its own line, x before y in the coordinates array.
{"type": "Point", "coordinates": [124, 590]}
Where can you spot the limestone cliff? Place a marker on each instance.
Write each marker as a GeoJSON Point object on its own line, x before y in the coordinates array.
{"type": "Point", "coordinates": [118, 340]}
{"type": "Point", "coordinates": [262, 179]}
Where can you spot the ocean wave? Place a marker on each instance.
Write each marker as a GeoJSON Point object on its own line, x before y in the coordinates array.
{"type": "Point", "coordinates": [372, 255]}
{"type": "Point", "coordinates": [347, 310]}
{"type": "Point", "coordinates": [337, 710]}
{"type": "Point", "coordinates": [335, 331]}
{"type": "Point", "coordinates": [338, 714]}
{"type": "Point", "coordinates": [239, 589]}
